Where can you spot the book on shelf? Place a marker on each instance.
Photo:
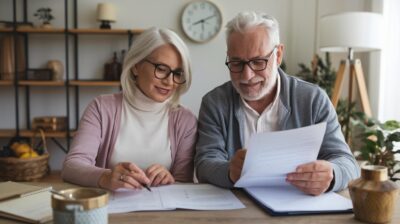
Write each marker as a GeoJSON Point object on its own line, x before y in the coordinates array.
{"type": "Point", "coordinates": [24, 202]}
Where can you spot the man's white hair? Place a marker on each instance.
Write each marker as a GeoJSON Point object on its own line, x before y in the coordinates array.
{"type": "Point", "coordinates": [249, 20]}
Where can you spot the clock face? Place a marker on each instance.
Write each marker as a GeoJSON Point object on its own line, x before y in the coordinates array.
{"type": "Point", "coordinates": [201, 20]}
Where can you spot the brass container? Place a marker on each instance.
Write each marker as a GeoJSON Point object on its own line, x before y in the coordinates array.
{"type": "Point", "coordinates": [373, 195]}
{"type": "Point", "coordinates": [80, 205]}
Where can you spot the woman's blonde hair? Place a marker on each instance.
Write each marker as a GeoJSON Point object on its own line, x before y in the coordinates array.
{"type": "Point", "coordinates": [143, 46]}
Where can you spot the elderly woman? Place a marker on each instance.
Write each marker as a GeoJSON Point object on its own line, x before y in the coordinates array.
{"type": "Point", "coordinates": [142, 136]}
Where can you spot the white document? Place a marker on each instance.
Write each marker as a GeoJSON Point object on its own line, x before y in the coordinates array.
{"type": "Point", "coordinates": [272, 155]}
{"type": "Point", "coordinates": [170, 197]}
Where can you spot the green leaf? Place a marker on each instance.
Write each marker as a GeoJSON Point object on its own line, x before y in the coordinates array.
{"type": "Point", "coordinates": [381, 138]}
{"type": "Point", "coordinates": [391, 125]}
{"type": "Point", "coordinates": [394, 137]}
{"type": "Point", "coordinates": [389, 145]}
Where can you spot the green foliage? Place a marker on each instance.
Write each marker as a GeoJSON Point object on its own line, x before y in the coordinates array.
{"type": "Point", "coordinates": [320, 73]}
{"type": "Point", "coordinates": [379, 147]}
{"type": "Point", "coordinates": [44, 14]}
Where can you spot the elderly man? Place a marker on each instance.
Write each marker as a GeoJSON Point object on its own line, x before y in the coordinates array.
{"type": "Point", "coordinates": [260, 98]}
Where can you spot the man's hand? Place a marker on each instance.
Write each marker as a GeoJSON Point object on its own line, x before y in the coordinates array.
{"type": "Point", "coordinates": [236, 165]}
{"type": "Point", "coordinates": [312, 178]}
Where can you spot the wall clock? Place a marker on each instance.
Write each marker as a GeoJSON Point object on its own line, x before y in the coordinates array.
{"type": "Point", "coordinates": [201, 20]}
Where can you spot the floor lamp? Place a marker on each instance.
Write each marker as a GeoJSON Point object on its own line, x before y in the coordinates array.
{"type": "Point", "coordinates": [351, 32]}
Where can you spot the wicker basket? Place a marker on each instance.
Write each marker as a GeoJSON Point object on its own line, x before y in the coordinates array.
{"type": "Point", "coordinates": [26, 169]}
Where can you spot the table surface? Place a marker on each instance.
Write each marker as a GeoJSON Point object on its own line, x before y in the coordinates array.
{"type": "Point", "coordinates": [251, 214]}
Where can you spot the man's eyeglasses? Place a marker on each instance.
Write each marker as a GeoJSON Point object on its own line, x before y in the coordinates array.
{"type": "Point", "coordinates": [162, 72]}
{"type": "Point", "coordinates": [257, 64]}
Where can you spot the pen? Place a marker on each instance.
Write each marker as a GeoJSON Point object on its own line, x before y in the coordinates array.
{"type": "Point", "coordinates": [146, 186]}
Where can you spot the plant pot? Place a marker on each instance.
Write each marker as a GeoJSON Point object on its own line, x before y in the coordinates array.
{"type": "Point", "coordinates": [373, 195]}
{"type": "Point", "coordinates": [46, 26]}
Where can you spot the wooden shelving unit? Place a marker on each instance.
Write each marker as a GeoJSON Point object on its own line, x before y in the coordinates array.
{"type": "Point", "coordinates": [93, 83]}
{"type": "Point", "coordinates": [40, 83]}
{"type": "Point", "coordinates": [104, 31]}
{"type": "Point", "coordinates": [40, 30]}
{"type": "Point", "coordinates": [6, 83]}
{"type": "Point", "coordinates": [73, 85]}
{"type": "Point", "coordinates": [48, 134]}
{"type": "Point", "coordinates": [9, 133]}
{"type": "Point", "coordinates": [6, 30]}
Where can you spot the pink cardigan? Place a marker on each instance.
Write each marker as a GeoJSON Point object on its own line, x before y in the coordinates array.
{"type": "Point", "coordinates": [93, 144]}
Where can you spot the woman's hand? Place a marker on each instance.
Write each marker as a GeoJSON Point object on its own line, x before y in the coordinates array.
{"type": "Point", "coordinates": [159, 175]}
{"type": "Point", "coordinates": [123, 175]}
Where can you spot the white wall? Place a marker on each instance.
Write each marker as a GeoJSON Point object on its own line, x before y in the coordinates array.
{"type": "Point", "coordinates": [297, 18]}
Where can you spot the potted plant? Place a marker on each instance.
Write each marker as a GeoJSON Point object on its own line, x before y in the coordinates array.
{"type": "Point", "coordinates": [44, 14]}
{"type": "Point", "coordinates": [380, 147]}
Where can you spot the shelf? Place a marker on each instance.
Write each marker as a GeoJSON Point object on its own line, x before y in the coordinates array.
{"type": "Point", "coordinates": [93, 83]}
{"type": "Point", "coordinates": [48, 134]}
{"type": "Point", "coordinates": [6, 30]}
{"type": "Point", "coordinates": [6, 82]}
{"type": "Point", "coordinates": [72, 31]}
{"type": "Point", "coordinates": [41, 83]}
{"type": "Point", "coordinates": [9, 133]}
{"type": "Point", "coordinates": [40, 30]}
{"type": "Point", "coordinates": [104, 31]}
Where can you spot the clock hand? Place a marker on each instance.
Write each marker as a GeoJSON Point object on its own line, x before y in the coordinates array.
{"type": "Point", "coordinates": [200, 21]}
{"type": "Point", "coordinates": [203, 20]}
{"type": "Point", "coordinates": [209, 17]}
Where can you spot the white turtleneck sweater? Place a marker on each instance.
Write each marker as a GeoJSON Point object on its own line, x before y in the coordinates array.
{"type": "Point", "coordinates": [143, 134]}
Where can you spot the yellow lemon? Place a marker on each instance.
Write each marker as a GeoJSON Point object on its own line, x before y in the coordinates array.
{"type": "Point", "coordinates": [21, 149]}
{"type": "Point", "coordinates": [31, 154]}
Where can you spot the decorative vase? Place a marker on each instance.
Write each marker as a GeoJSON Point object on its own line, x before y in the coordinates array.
{"type": "Point", "coordinates": [373, 195]}
{"type": "Point", "coordinates": [57, 69]}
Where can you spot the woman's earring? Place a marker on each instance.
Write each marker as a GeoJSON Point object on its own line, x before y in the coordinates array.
{"type": "Point", "coordinates": [133, 75]}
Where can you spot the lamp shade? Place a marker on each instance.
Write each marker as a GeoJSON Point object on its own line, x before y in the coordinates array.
{"type": "Point", "coordinates": [106, 12]}
{"type": "Point", "coordinates": [360, 31]}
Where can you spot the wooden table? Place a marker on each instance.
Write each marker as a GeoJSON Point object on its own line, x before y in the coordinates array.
{"type": "Point", "coordinates": [251, 214]}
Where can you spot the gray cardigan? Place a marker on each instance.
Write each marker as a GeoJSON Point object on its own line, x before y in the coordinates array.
{"type": "Point", "coordinates": [221, 121]}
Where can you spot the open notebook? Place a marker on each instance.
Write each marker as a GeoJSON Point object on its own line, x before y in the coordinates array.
{"type": "Point", "coordinates": [25, 202]}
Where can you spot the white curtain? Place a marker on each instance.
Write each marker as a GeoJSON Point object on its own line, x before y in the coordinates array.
{"type": "Point", "coordinates": [389, 96]}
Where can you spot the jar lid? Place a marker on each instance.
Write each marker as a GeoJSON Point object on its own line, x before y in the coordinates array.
{"type": "Point", "coordinates": [374, 173]}
{"type": "Point", "coordinates": [85, 198]}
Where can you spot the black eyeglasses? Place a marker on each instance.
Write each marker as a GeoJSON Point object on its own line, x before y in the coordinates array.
{"type": "Point", "coordinates": [257, 64]}
{"type": "Point", "coordinates": [162, 71]}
